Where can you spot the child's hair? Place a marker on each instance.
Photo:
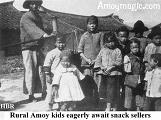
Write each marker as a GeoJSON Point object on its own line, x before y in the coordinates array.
{"type": "Point", "coordinates": [134, 40]}
{"type": "Point", "coordinates": [60, 37]}
{"type": "Point", "coordinates": [93, 19]}
{"type": "Point", "coordinates": [122, 29]}
{"type": "Point", "coordinates": [109, 36]}
{"type": "Point", "coordinates": [157, 58]}
{"type": "Point", "coordinates": [66, 53]}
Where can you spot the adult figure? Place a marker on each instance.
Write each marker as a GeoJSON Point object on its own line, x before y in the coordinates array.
{"type": "Point", "coordinates": [31, 27]}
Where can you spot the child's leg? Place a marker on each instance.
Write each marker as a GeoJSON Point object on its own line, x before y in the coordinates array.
{"type": "Point", "coordinates": [72, 106]}
{"type": "Point", "coordinates": [147, 104]}
{"type": "Point", "coordinates": [157, 104]}
{"type": "Point", "coordinates": [140, 96]}
{"type": "Point", "coordinates": [108, 107]}
{"type": "Point", "coordinates": [49, 100]}
{"type": "Point", "coordinates": [63, 106]}
{"type": "Point", "coordinates": [110, 91]}
{"type": "Point", "coordinates": [128, 98]}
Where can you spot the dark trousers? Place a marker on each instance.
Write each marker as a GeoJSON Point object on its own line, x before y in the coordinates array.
{"type": "Point", "coordinates": [152, 104]}
{"type": "Point", "coordinates": [134, 97]}
{"type": "Point", "coordinates": [109, 89]}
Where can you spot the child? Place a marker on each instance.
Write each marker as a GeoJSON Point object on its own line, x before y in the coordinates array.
{"type": "Point", "coordinates": [88, 48]}
{"type": "Point", "coordinates": [139, 29]}
{"type": "Point", "coordinates": [133, 67]}
{"type": "Point", "coordinates": [123, 41]}
{"type": "Point", "coordinates": [51, 62]}
{"type": "Point", "coordinates": [123, 45]}
{"type": "Point", "coordinates": [153, 78]}
{"type": "Point", "coordinates": [108, 61]}
{"type": "Point", "coordinates": [66, 88]}
{"type": "Point", "coordinates": [154, 47]}
{"type": "Point", "coordinates": [90, 44]}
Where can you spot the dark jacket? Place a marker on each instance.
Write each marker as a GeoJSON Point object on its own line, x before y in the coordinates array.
{"type": "Point", "coordinates": [31, 27]}
{"type": "Point", "coordinates": [90, 44]}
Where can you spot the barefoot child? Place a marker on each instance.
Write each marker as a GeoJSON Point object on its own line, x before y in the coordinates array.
{"type": "Point", "coordinates": [133, 67]}
{"type": "Point", "coordinates": [108, 61]}
{"type": "Point", "coordinates": [153, 78]}
{"type": "Point", "coordinates": [51, 62]}
{"type": "Point", "coordinates": [154, 47]}
{"type": "Point", "coordinates": [66, 88]}
{"type": "Point", "coordinates": [89, 46]}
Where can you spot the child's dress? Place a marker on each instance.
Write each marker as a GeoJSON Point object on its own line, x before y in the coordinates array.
{"type": "Point", "coordinates": [68, 81]}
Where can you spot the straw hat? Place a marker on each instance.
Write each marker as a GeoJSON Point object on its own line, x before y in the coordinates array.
{"type": "Point", "coordinates": [139, 27]}
{"type": "Point", "coordinates": [27, 3]}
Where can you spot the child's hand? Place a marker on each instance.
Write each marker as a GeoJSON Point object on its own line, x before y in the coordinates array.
{"type": "Point", "coordinates": [148, 68]}
{"type": "Point", "coordinates": [108, 70]}
{"type": "Point", "coordinates": [89, 61]}
{"type": "Point", "coordinates": [145, 86]}
{"type": "Point", "coordinates": [48, 79]}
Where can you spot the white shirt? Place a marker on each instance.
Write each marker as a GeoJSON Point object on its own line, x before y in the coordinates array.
{"type": "Point", "coordinates": [53, 59]}
{"type": "Point", "coordinates": [154, 83]}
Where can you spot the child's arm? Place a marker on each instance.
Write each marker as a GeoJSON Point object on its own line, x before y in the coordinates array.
{"type": "Point", "coordinates": [127, 64]}
{"type": "Point", "coordinates": [146, 78]}
{"type": "Point", "coordinates": [79, 75]}
{"type": "Point", "coordinates": [47, 66]}
{"type": "Point", "coordinates": [98, 61]}
{"type": "Point", "coordinates": [101, 40]}
{"type": "Point", "coordinates": [55, 92]}
{"type": "Point", "coordinates": [57, 76]}
{"type": "Point", "coordinates": [81, 50]}
{"type": "Point", "coordinates": [118, 60]}
{"type": "Point", "coordinates": [116, 63]}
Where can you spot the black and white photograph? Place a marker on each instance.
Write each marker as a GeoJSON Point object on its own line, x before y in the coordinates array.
{"type": "Point", "coordinates": [88, 55]}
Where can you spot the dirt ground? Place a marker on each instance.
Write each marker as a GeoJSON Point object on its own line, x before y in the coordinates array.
{"type": "Point", "coordinates": [11, 91]}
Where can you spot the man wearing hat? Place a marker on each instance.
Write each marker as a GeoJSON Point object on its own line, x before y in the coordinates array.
{"type": "Point", "coordinates": [139, 28]}
{"type": "Point", "coordinates": [31, 28]}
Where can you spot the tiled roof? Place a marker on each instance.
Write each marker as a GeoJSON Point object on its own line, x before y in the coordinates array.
{"type": "Point", "coordinates": [105, 22]}
{"type": "Point", "coordinates": [10, 16]}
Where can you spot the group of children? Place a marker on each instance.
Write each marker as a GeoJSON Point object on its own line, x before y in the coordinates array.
{"type": "Point", "coordinates": [125, 71]}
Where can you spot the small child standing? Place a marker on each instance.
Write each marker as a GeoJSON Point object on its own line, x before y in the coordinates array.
{"type": "Point", "coordinates": [66, 88]}
{"type": "Point", "coordinates": [89, 46]}
{"type": "Point", "coordinates": [139, 29]}
{"type": "Point", "coordinates": [108, 61]}
{"type": "Point", "coordinates": [154, 47]}
{"type": "Point", "coordinates": [153, 78]}
{"type": "Point", "coordinates": [51, 62]}
{"type": "Point", "coordinates": [133, 67]}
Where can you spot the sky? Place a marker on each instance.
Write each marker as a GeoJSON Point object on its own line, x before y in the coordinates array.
{"type": "Point", "coordinates": [150, 17]}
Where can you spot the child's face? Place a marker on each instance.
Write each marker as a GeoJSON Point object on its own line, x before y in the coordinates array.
{"type": "Point", "coordinates": [123, 36]}
{"type": "Point", "coordinates": [60, 45]}
{"type": "Point", "coordinates": [110, 44]}
{"type": "Point", "coordinates": [65, 62]}
{"type": "Point", "coordinates": [157, 39]}
{"type": "Point", "coordinates": [91, 26]}
{"type": "Point", "coordinates": [138, 34]}
{"type": "Point", "coordinates": [134, 48]}
{"type": "Point", "coordinates": [153, 64]}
